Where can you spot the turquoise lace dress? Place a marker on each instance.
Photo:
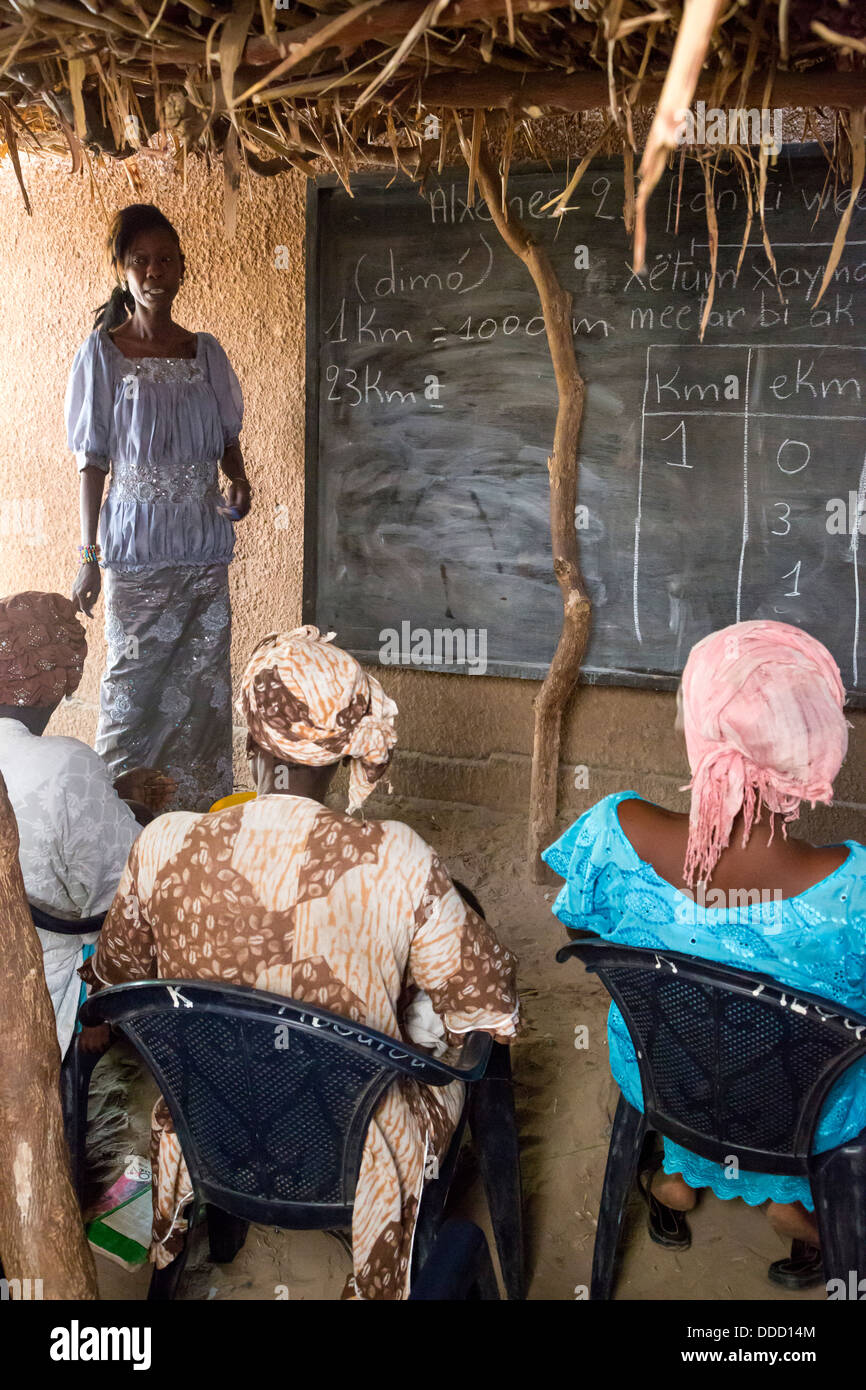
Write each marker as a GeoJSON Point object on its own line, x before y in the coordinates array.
{"type": "Point", "coordinates": [815, 941]}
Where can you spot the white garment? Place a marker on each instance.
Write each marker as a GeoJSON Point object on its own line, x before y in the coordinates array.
{"type": "Point", "coordinates": [423, 1026]}
{"type": "Point", "coordinates": [75, 835]}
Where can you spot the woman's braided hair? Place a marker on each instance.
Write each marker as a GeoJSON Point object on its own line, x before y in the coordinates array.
{"type": "Point", "coordinates": [129, 222]}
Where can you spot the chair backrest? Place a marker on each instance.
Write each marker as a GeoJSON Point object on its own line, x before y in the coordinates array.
{"type": "Point", "coordinates": [732, 1063]}
{"type": "Point", "coordinates": [270, 1098]}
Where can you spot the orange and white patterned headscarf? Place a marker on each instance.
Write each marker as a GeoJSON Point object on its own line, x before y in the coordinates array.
{"type": "Point", "coordinates": [310, 702]}
{"type": "Point", "coordinates": [762, 714]}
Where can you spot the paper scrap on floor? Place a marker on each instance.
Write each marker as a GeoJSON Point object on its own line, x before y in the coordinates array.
{"type": "Point", "coordinates": [120, 1222]}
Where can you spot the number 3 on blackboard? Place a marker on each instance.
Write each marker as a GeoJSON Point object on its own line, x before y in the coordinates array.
{"type": "Point", "coordinates": [784, 519]}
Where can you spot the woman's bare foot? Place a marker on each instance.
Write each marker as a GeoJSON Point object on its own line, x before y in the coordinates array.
{"type": "Point", "coordinates": [672, 1190]}
{"type": "Point", "coordinates": [792, 1221]}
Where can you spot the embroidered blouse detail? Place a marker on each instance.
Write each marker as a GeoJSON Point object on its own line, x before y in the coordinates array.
{"type": "Point", "coordinates": [163, 369]}
{"type": "Point", "coordinates": [137, 483]}
{"type": "Point", "coordinates": [161, 424]}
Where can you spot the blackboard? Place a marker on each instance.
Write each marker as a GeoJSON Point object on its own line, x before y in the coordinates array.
{"type": "Point", "coordinates": [720, 480]}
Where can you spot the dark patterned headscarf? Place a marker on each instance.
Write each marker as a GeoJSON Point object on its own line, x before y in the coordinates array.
{"type": "Point", "coordinates": [42, 649]}
{"type": "Point", "coordinates": [310, 702]}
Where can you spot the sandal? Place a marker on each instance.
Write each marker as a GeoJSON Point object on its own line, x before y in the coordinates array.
{"type": "Point", "coordinates": [802, 1269]}
{"type": "Point", "coordinates": [667, 1227]}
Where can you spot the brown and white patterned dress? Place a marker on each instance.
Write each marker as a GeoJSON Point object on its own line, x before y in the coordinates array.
{"type": "Point", "coordinates": [285, 895]}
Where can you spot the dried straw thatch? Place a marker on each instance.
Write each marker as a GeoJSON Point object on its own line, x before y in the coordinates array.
{"type": "Point", "coordinates": [276, 88]}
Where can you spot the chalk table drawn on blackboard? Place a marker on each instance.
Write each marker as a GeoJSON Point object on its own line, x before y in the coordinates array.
{"type": "Point", "coordinates": [799, 376]}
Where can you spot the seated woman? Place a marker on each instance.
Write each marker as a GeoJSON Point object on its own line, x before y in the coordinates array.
{"type": "Point", "coordinates": [74, 826]}
{"type": "Point", "coordinates": [355, 916]}
{"type": "Point", "coordinates": [764, 728]}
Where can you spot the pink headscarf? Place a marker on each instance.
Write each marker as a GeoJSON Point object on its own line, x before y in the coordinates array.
{"type": "Point", "coordinates": [762, 711]}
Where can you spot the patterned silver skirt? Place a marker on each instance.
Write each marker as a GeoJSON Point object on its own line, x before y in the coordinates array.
{"type": "Point", "coordinates": [165, 698]}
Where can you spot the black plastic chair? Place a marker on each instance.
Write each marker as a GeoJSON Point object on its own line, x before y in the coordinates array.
{"type": "Point", "coordinates": [732, 1065]}
{"type": "Point", "coordinates": [458, 1269]}
{"type": "Point", "coordinates": [271, 1099]}
{"type": "Point", "coordinates": [71, 926]}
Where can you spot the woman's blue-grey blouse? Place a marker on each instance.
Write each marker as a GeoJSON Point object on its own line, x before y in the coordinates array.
{"type": "Point", "coordinates": [161, 424]}
{"type": "Point", "coordinates": [815, 941]}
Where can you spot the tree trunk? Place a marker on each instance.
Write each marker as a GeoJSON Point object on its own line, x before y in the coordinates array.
{"type": "Point", "coordinates": [561, 679]}
{"type": "Point", "coordinates": [41, 1232]}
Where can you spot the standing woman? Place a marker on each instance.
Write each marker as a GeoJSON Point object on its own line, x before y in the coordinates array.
{"type": "Point", "coordinates": [162, 408]}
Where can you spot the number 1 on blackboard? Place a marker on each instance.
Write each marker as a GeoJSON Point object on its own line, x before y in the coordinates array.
{"type": "Point", "coordinates": [682, 428]}
{"type": "Point", "coordinates": [795, 573]}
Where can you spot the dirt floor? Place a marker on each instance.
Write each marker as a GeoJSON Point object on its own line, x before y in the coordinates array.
{"type": "Point", "coordinates": [565, 1100]}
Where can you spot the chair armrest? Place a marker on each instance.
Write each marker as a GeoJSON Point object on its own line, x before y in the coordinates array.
{"type": "Point", "coordinates": [571, 948]}
{"type": "Point", "coordinates": [66, 926]}
{"type": "Point", "coordinates": [474, 1055]}
{"type": "Point", "coordinates": [471, 1065]}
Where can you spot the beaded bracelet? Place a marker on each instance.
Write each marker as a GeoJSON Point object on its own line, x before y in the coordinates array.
{"type": "Point", "coordinates": [89, 554]}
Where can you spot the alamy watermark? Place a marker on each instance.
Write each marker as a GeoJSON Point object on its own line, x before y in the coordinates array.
{"type": "Point", "coordinates": [23, 519]}
{"type": "Point", "coordinates": [693, 904]}
{"type": "Point", "coordinates": [77, 1343]}
{"type": "Point", "coordinates": [852, 1289]}
{"type": "Point", "coordinates": [21, 1290]}
{"type": "Point", "coordinates": [846, 517]}
{"type": "Point", "coordinates": [435, 647]}
{"type": "Point", "coordinates": [739, 125]}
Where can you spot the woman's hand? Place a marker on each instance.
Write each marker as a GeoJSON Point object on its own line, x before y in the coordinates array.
{"type": "Point", "coordinates": [238, 500]}
{"type": "Point", "coordinates": [95, 1039]}
{"type": "Point", "coordinates": [85, 590]}
{"type": "Point", "coordinates": [152, 788]}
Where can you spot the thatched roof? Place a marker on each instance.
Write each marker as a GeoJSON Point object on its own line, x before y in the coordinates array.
{"type": "Point", "coordinates": [278, 88]}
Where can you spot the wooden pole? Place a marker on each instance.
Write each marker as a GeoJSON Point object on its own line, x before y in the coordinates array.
{"type": "Point", "coordinates": [690, 51]}
{"type": "Point", "coordinates": [533, 93]}
{"type": "Point", "coordinates": [41, 1232]}
{"type": "Point", "coordinates": [530, 93]}
{"type": "Point", "coordinates": [559, 683]}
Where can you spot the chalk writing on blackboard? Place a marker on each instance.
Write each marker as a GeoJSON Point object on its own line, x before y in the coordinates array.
{"type": "Point", "coordinates": [706, 468]}
{"type": "Point", "coordinates": [792, 380]}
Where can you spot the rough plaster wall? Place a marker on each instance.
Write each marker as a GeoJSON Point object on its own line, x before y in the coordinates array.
{"type": "Point", "coordinates": [53, 275]}
{"type": "Point", "coordinates": [462, 739]}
